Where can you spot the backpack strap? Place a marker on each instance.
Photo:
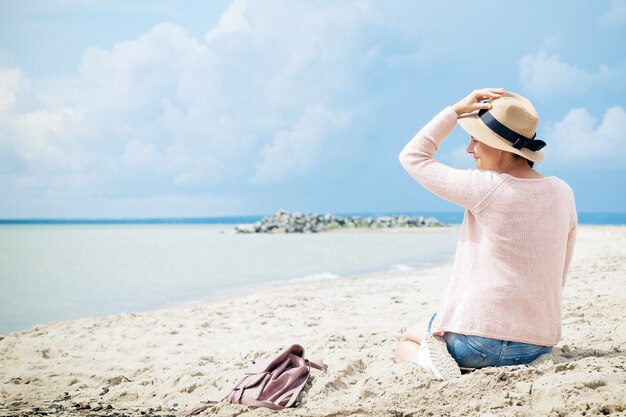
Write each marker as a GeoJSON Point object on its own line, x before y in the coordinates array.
{"type": "Point", "coordinates": [294, 394]}
{"type": "Point", "coordinates": [200, 408]}
{"type": "Point", "coordinates": [275, 405]}
{"type": "Point", "coordinates": [207, 404]}
{"type": "Point", "coordinates": [257, 403]}
{"type": "Point", "coordinates": [320, 366]}
{"type": "Point", "coordinates": [296, 391]}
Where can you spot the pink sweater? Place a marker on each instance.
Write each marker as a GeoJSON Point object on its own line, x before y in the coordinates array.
{"type": "Point", "coordinates": [514, 248]}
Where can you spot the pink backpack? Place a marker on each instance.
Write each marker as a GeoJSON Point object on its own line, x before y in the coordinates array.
{"type": "Point", "coordinates": [272, 383]}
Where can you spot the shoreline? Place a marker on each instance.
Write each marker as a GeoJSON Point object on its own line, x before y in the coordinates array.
{"type": "Point", "coordinates": [173, 358]}
{"type": "Point", "coordinates": [224, 262]}
{"type": "Point", "coordinates": [226, 294]}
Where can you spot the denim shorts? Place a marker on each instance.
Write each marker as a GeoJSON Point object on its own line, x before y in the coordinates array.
{"type": "Point", "coordinates": [479, 352]}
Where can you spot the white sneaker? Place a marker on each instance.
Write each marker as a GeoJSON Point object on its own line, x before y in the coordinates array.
{"type": "Point", "coordinates": [433, 356]}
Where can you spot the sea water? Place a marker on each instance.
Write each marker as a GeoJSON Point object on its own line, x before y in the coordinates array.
{"type": "Point", "coordinates": [51, 272]}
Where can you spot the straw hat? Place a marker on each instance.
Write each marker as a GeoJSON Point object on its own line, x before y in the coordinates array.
{"type": "Point", "coordinates": [510, 125]}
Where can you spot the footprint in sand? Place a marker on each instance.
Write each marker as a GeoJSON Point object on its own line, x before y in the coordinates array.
{"type": "Point", "coordinates": [348, 376]}
{"type": "Point", "coordinates": [565, 367]}
{"type": "Point", "coordinates": [190, 388]}
{"type": "Point", "coordinates": [336, 338]}
{"type": "Point", "coordinates": [205, 360]}
{"type": "Point", "coordinates": [594, 384]}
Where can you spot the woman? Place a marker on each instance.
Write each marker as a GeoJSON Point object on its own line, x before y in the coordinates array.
{"type": "Point", "coordinates": [503, 302]}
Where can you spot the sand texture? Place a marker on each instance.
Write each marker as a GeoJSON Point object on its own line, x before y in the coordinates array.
{"type": "Point", "coordinates": [165, 361]}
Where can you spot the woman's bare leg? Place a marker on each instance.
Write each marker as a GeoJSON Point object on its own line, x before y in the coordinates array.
{"type": "Point", "coordinates": [406, 350]}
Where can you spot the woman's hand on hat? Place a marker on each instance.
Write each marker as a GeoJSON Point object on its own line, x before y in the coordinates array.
{"type": "Point", "coordinates": [472, 101]}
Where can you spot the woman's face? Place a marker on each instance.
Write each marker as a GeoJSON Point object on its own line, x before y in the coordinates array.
{"type": "Point", "coordinates": [486, 157]}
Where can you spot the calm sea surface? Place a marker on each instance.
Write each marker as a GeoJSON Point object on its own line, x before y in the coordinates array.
{"type": "Point", "coordinates": [65, 269]}
{"type": "Point", "coordinates": [51, 272]}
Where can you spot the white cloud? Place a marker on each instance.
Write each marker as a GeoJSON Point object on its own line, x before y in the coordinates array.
{"type": "Point", "coordinates": [39, 139]}
{"type": "Point", "coordinates": [159, 205]}
{"type": "Point", "coordinates": [276, 90]}
{"type": "Point", "coordinates": [246, 103]}
{"type": "Point", "coordinates": [579, 138]}
{"type": "Point", "coordinates": [9, 83]}
{"type": "Point", "coordinates": [547, 75]}
{"type": "Point", "coordinates": [64, 181]}
{"type": "Point", "coordinates": [139, 73]}
{"type": "Point", "coordinates": [296, 150]}
{"type": "Point", "coordinates": [232, 20]}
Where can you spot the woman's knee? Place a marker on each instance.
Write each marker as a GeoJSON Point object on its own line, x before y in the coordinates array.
{"type": "Point", "coordinates": [406, 351]}
{"type": "Point", "coordinates": [416, 332]}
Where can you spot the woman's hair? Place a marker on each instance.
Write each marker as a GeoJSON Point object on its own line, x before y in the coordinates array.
{"type": "Point", "coordinates": [530, 163]}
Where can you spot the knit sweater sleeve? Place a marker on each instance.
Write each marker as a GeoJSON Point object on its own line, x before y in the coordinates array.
{"type": "Point", "coordinates": [571, 237]}
{"type": "Point", "coordinates": [467, 188]}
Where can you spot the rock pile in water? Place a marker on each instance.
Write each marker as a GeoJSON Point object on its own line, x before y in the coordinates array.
{"type": "Point", "coordinates": [284, 222]}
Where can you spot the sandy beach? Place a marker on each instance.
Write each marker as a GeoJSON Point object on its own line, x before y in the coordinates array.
{"type": "Point", "coordinates": [164, 361]}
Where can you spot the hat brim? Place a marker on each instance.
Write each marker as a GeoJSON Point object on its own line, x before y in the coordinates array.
{"type": "Point", "coordinates": [472, 124]}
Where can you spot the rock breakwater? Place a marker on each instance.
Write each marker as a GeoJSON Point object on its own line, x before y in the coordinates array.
{"type": "Point", "coordinates": [284, 222]}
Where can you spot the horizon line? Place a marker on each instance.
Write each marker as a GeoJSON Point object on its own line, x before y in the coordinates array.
{"type": "Point", "coordinates": [216, 219]}
{"type": "Point", "coordinates": [350, 213]}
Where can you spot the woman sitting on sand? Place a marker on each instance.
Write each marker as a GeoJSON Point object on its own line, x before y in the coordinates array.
{"type": "Point", "coordinates": [503, 302]}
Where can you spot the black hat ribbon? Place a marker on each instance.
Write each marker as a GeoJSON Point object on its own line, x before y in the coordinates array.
{"type": "Point", "coordinates": [518, 141]}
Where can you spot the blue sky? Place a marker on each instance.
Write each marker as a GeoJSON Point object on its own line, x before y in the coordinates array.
{"type": "Point", "coordinates": [161, 109]}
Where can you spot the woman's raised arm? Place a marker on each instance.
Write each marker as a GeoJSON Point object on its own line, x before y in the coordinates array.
{"type": "Point", "coordinates": [467, 188]}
